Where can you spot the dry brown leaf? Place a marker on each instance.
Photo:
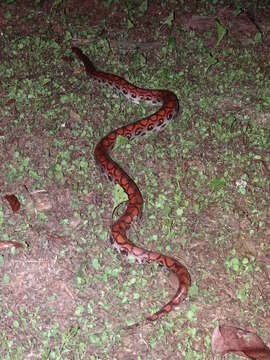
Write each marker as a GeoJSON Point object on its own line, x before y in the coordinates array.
{"type": "Point", "coordinates": [13, 202]}
{"type": "Point", "coordinates": [226, 339]}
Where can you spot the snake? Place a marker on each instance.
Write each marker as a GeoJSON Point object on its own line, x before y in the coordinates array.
{"type": "Point", "coordinates": [169, 108]}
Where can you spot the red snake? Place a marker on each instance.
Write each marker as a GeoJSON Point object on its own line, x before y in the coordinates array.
{"type": "Point", "coordinates": [155, 122]}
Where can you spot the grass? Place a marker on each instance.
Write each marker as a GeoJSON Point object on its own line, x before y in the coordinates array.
{"type": "Point", "coordinates": [204, 180]}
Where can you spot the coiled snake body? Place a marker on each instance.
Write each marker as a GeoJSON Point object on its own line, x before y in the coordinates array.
{"type": "Point", "coordinates": [155, 122]}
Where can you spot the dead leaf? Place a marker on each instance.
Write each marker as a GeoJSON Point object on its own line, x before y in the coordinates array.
{"type": "Point", "coordinates": [226, 339]}
{"type": "Point", "coordinates": [13, 202]}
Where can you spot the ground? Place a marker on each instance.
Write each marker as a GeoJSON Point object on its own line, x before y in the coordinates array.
{"type": "Point", "coordinates": [204, 180]}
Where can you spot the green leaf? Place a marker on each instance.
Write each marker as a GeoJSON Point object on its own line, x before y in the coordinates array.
{"type": "Point", "coordinates": [120, 141]}
{"type": "Point", "coordinates": [196, 208]}
{"type": "Point", "coordinates": [64, 99]}
{"type": "Point", "coordinates": [258, 38]}
{"type": "Point", "coordinates": [180, 212]}
{"type": "Point", "coordinates": [6, 279]}
{"type": "Point", "coordinates": [217, 183]}
{"type": "Point", "coordinates": [130, 24]}
{"type": "Point", "coordinates": [171, 43]}
{"type": "Point", "coordinates": [79, 310]}
{"type": "Point", "coordinates": [96, 264]}
{"type": "Point", "coordinates": [138, 59]}
{"type": "Point", "coordinates": [242, 190]}
{"type": "Point", "coordinates": [143, 7]}
{"type": "Point", "coordinates": [193, 290]}
{"type": "Point", "coordinates": [16, 324]}
{"type": "Point", "coordinates": [119, 195]}
{"type": "Point", "coordinates": [222, 31]}
{"type": "Point", "coordinates": [211, 60]}
{"type": "Point", "coordinates": [191, 313]}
